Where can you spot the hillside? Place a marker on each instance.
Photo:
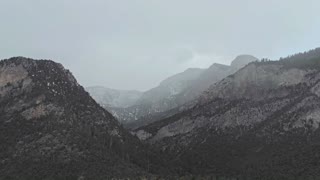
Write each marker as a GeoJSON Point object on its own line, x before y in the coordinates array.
{"type": "Point", "coordinates": [160, 102]}
{"type": "Point", "coordinates": [51, 128]}
{"type": "Point", "coordinates": [262, 121]}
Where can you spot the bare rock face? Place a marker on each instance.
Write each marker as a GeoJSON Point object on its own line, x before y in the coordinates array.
{"type": "Point", "coordinates": [12, 74]}
{"type": "Point", "coordinates": [252, 80]}
{"type": "Point", "coordinates": [142, 134]}
{"type": "Point", "coordinates": [262, 121]}
{"type": "Point", "coordinates": [51, 128]}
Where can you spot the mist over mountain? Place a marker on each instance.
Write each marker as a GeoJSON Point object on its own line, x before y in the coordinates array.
{"type": "Point", "coordinates": [114, 98]}
{"type": "Point", "coordinates": [176, 91]}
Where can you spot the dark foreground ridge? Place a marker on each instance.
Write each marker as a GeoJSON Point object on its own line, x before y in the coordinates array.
{"type": "Point", "coordinates": [51, 128]}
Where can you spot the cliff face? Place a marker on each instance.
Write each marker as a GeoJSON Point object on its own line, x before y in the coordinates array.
{"type": "Point", "coordinates": [252, 80]}
{"type": "Point", "coordinates": [251, 122]}
{"type": "Point", "coordinates": [51, 127]}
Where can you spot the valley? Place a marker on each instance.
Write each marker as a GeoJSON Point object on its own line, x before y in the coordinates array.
{"type": "Point", "coordinates": [260, 119]}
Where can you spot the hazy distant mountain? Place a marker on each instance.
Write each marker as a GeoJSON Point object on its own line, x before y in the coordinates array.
{"type": "Point", "coordinates": [176, 91]}
{"type": "Point", "coordinates": [263, 121]}
{"type": "Point", "coordinates": [159, 97]}
{"type": "Point", "coordinates": [240, 61]}
{"type": "Point", "coordinates": [113, 98]}
{"type": "Point", "coordinates": [51, 128]}
{"type": "Point", "coordinates": [170, 87]}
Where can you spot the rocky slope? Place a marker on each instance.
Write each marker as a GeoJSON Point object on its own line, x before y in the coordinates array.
{"type": "Point", "coordinates": [213, 74]}
{"type": "Point", "coordinates": [261, 122]}
{"type": "Point", "coordinates": [108, 98]}
{"type": "Point", "coordinates": [163, 100]}
{"type": "Point", "coordinates": [51, 128]}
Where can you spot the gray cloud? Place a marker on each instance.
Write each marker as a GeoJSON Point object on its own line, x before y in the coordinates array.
{"type": "Point", "coordinates": [134, 44]}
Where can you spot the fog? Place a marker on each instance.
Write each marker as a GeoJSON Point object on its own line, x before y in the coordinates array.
{"type": "Point", "coordinates": [134, 44]}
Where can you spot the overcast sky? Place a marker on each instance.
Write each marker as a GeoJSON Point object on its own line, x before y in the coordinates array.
{"type": "Point", "coordinates": [134, 44]}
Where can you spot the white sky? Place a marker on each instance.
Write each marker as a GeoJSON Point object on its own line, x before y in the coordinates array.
{"type": "Point", "coordinates": [134, 44]}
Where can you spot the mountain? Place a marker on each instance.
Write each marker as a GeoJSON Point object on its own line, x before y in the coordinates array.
{"type": "Point", "coordinates": [113, 98]}
{"type": "Point", "coordinates": [51, 128]}
{"type": "Point", "coordinates": [157, 99]}
{"type": "Point", "coordinates": [175, 91]}
{"type": "Point", "coordinates": [262, 122]}
{"type": "Point", "coordinates": [169, 88]}
{"type": "Point", "coordinates": [241, 61]}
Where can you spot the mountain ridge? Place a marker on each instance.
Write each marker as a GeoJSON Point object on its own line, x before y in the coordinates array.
{"type": "Point", "coordinates": [165, 105]}
{"type": "Point", "coordinates": [262, 121]}
{"type": "Point", "coordinates": [51, 127]}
